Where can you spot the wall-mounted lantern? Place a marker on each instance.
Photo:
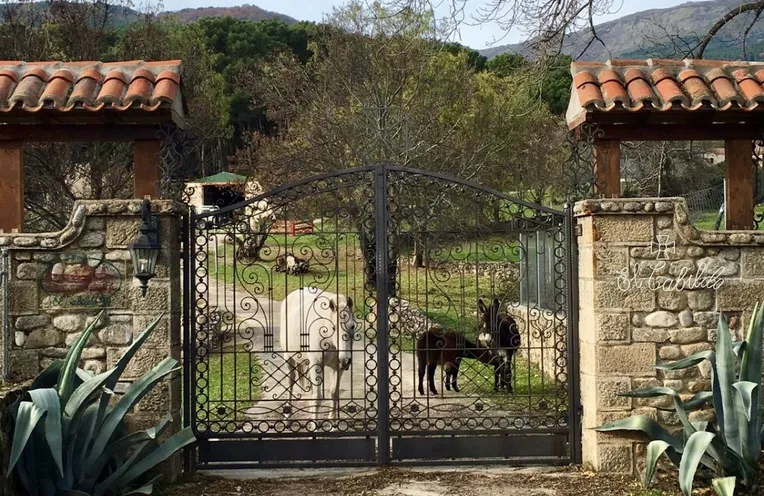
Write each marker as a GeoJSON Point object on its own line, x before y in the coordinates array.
{"type": "Point", "coordinates": [145, 249]}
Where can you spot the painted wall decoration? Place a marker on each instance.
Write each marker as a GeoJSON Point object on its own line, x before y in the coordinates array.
{"type": "Point", "coordinates": [81, 281]}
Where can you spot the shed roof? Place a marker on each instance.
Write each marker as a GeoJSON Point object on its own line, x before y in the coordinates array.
{"type": "Point", "coordinates": [222, 178]}
{"type": "Point", "coordinates": [125, 92]}
{"type": "Point", "coordinates": [665, 86]}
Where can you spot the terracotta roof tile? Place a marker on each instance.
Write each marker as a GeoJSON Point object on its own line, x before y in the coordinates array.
{"type": "Point", "coordinates": [94, 86]}
{"type": "Point", "coordinates": [658, 85]}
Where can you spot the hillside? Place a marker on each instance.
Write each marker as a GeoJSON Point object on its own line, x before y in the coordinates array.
{"type": "Point", "coordinates": [643, 35]}
{"type": "Point", "coordinates": [246, 11]}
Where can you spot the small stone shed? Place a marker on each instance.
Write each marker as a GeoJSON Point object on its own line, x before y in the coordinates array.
{"type": "Point", "coordinates": [130, 101]}
{"type": "Point", "coordinates": [215, 191]}
{"type": "Point", "coordinates": [660, 99]}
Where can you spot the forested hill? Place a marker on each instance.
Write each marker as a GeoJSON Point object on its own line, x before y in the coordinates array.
{"type": "Point", "coordinates": [644, 34]}
{"type": "Point", "coordinates": [125, 15]}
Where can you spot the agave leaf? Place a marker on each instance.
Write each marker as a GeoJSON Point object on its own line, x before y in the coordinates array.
{"type": "Point", "coordinates": [698, 400]}
{"type": "Point", "coordinates": [652, 392]}
{"type": "Point", "coordinates": [48, 402]}
{"type": "Point", "coordinates": [134, 393]}
{"type": "Point", "coordinates": [105, 486]}
{"type": "Point", "coordinates": [163, 452]}
{"type": "Point", "coordinates": [118, 369]}
{"type": "Point", "coordinates": [700, 425]}
{"type": "Point", "coordinates": [751, 371]}
{"type": "Point", "coordinates": [27, 418]}
{"type": "Point", "coordinates": [80, 435]}
{"type": "Point", "coordinates": [644, 424]}
{"type": "Point", "coordinates": [725, 367]}
{"type": "Point", "coordinates": [85, 392]}
{"type": "Point", "coordinates": [746, 390]}
{"type": "Point", "coordinates": [688, 362]}
{"type": "Point", "coordinates": [145, 488]}
{"type": "Point", "coordinates": [654, 451]}
{"type": "Point", "coordinates": [122, 445]}
{"type": "Point", "coordinates": [693, 452]}
{"type": "Point", "coordinates": [724, 486]}
{"type": "Point", "coordinates": [72, 360]}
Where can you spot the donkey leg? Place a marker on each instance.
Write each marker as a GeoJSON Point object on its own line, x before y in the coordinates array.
{"type": "Point", "coordinates": [421, 370]}
{"type": "Point", "coordinates": [455, 374]}
{"type": "Point", "coordinates": [496, 373]}
{"type": "Point", "coordinates": [431, 377]}
{"type": "Point", "coordinates": [509, 371]}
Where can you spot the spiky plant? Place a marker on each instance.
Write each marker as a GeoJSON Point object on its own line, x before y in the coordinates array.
{"type": "Point", "coordinates": [727, 448]}
{"type": "Point", "coordinates": [69, 435]}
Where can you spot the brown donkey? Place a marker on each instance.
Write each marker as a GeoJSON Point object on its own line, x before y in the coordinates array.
{"type": "Point", "coordinates": [447, 349]}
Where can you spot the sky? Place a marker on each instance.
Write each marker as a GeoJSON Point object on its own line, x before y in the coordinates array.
{"type": "Point", "coordinates": [474, 36]}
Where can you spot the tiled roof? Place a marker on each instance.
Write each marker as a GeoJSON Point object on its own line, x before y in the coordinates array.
{"type": "Point", "coordinates": [628, 85]}
{"type": "Point", "coordinates": [27, 87]}
{"type": "Point", "coordinates": [222, 178]}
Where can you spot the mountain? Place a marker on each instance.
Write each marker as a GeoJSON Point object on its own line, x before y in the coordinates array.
{"type": "Point", "coordinates": [246, 12]}
{"type": "Point", "coordinates": [122, 15]}
{"type": "Point", "coordinates": [644, 34]}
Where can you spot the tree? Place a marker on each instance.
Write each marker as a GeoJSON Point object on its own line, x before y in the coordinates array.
{"type": "Point", "coordinates": [376, 89]}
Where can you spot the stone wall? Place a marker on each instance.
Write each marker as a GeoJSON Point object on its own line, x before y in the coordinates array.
{"type": "Point", "coordinates": [650, 286]}
{"type": "Point", "coordinates": [60, 281]}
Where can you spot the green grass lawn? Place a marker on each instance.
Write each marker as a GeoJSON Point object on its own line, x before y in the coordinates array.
{"type": "Point", "coordinates": [706, 220]}
{"type": "Point", "coordinates": [232, 375]}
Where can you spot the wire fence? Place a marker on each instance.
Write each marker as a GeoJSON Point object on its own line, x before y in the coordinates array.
{"type": "Point", "coordinates": [706, 207]}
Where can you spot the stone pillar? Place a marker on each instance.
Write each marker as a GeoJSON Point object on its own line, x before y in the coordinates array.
{"type": "Point", "coordinates": [650, 285]}
{"type": "Point", "coordinates": [59, 281]}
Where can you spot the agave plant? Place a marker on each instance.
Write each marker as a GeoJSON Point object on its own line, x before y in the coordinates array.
{"type": "Point", "coordinates": [731, 445]}
{"type": "Point", "coordinates": [69, 435]}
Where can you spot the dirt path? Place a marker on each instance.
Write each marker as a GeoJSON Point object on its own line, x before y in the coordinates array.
{"type": "Point", "coordinates": [468, 481]}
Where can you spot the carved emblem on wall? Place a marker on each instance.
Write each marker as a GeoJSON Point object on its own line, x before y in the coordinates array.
{"type": "Point", "coordinates": [81, 281]}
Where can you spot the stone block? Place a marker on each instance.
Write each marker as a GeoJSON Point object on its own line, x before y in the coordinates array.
{"type": "Point", "coordinates": [687, 335]}
{"type": "Point", "coordinates": [29, 322]}
{"type": "Point", "coordinates": [117, 334]}
{"type": "Point", "coordinates": [623, 228]}
{"type": "Point", "coordinates": [120, 232]}
{"type": "Point", "coordinates": [73, 322]}
{"type": "Point", "coordinates": [739, 294]}
{"type": "Point", "coordinates": [672, 300]}
{"type": "Point", "coordinates": [649, 335]}
{"type": "Point", "coordinates": [610, 261]}
{"type": "Point", "coordinates": [752, 262]}
{"type": "Point", "coordinates": [717, 265]}
{"type": "Point", "coordinates": [670, 352]}
{"type": "Point", "coordinates": [607, 294]}
{"type": "Point", "coordinates": [682, 268]}
{"type": "Point", "coordinates": [43, 338]}
{"type": "Point", "coordinates": [28, 271]}
{"type": "Point", "coordinates": [695, 251]}
{"type": "Point", "coordinates": [662, 319]}
{"type": "Point", "coordinates": [691, 349]}
{"type": "Point", "coordinates": [612, 326]}
{"type": "Point", "coordinates": [164, 398]}
{"type": "Point", "coordinates": [157, 298]}
{"type": "Point", "coordinates": [701, 299]}
{"type": "Point", "coordinates": [706, 319]}
{"type": "Point", "coordinates": [161, 337]}
{"type": "Point", "coordinates": [647, 268]}
{"type": "Point", "coordinates": [615, 458]}
{"type": "Point", "coordinates": [143, 360]}
{"type": "Point", "coordinates": [22, 297]}
{"type": "Point", "coordinates": [95, 224]}
{"type": "Point", "coordinates": [24, 365]}
{"type": "Point", "coordinates": [92, 239]}
{"type": "Point", "coordinates": [637, 359]}
{"type": "Point", "coordinates": [608, 391]}
{"type": "Point", "coordinates": [657, 402]}
{"type": "Point", "coordinates": [95, 366]}
{"type": "Point", "coordinates": [74, 336]}
{"type": "Point", "coordinates": [685, 318]}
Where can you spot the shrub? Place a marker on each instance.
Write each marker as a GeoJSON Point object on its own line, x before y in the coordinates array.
{"type": "Point", "coordinates": [729, 447]}
{"type": "Point", "coordinates": [69, 436]}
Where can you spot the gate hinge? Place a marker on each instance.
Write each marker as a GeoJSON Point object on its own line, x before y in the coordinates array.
{"type": "Point", "coordinates": [578, 230]}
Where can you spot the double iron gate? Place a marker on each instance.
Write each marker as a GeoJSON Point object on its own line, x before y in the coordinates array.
{"type": "Point", "coordinates": [396, 276]}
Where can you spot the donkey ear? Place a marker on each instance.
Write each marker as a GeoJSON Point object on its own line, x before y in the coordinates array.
{"type": "Point", "coordinates": [332, 305]}
{"type": "Point", "coordinates": [481, 306]}
{"type": "Point", "coordinates": [349, 302]}
{"type": "Point", "coordinates": [496, 303]}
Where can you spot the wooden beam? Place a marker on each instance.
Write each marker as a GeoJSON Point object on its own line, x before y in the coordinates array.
{"type": "Point", "coordinates": [680, 132]}
{"type": "Point", "coordinates": [607, 168]}
{"type": "Point", "coordinates": [12, 185]}
{"type": "Point", "coordinates": [739, 193]}
{"type": "Point", "coordinates": [52, 133]}
{"type": "Point", "coordinates": [148, 170]}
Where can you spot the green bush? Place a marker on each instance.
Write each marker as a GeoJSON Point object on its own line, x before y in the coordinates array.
{"type": "Point", "coordinates": [68, 439]}
{"type": "Point", "coordinates": [727, 450]}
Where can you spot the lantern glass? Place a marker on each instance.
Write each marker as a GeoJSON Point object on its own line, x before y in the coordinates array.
{"type": "Point", "coordinates": [144, 251]}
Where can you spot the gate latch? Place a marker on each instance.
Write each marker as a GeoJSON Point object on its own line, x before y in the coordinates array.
{"type": "Point", "coordinates": [578, 230]}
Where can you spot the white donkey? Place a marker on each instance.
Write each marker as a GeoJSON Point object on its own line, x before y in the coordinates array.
{"type": "Point", "coordinates": [317, 333]}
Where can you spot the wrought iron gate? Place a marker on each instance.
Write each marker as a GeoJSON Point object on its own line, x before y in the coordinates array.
{"type": "Point", "coordinates": [435, 272]}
